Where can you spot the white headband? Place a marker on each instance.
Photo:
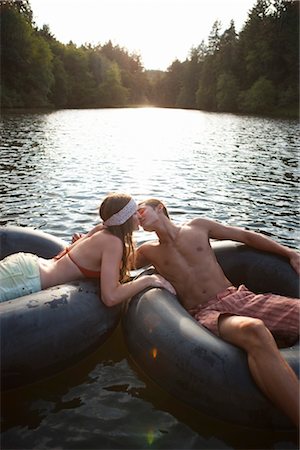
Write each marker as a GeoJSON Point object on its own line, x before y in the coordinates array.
{"type": "Point", "coordinates": [121, 216]}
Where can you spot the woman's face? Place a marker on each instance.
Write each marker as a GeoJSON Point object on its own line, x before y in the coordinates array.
{"type": "Point", "coordinates": [135, 221]}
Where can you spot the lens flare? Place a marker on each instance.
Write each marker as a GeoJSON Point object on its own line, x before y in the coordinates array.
{"type": "Point", "coordinates": [150, 437]}
{"type": "Point", "coordinates": [154, 352]}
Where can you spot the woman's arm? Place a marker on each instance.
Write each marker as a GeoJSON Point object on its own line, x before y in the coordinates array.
{"type": "Point", "coordinates": [112, 291]}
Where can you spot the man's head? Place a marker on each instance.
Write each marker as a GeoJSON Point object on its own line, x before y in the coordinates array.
{"type": "Point", "coordinates": [149, 212]}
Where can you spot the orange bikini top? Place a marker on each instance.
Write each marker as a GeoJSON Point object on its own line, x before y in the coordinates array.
{"type": "Point", "coordinates": [86, 272]}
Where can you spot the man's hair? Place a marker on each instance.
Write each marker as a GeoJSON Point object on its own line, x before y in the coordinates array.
{"type": "Point", "coordinates": [153, 202]}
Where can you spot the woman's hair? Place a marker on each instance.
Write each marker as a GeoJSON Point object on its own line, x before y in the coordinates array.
{"type": "Point", "coordinates": [112, 204]}
{"type": "Point", "coordinates": [153, 202]}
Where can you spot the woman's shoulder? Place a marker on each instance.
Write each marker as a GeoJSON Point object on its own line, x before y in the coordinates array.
{"type": "Point", "coordinates": [105, 236]}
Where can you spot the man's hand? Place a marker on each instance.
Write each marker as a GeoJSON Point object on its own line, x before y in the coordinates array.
{"type": "Point", "coordinates": [94, 230]}
{"type": "Point", "coordinates": [77, 236]}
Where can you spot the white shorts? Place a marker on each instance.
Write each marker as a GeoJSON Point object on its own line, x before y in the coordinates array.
{"type": "Point", "coordinates": [19, 275]}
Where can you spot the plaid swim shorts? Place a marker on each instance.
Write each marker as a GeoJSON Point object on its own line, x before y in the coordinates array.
{"type": "Point", "coordinates": [279, 314]}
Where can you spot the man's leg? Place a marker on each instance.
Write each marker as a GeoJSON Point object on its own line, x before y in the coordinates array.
{"type": "Point", "coordinates": [268, 367]}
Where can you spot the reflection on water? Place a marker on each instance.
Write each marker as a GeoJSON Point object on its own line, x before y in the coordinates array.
{"type": "Point", "coordinates": [104, 402]}
{"type": "Point", "coordinates": [56, 167]}
{"type": "Point", "coordinates": [54, 170]}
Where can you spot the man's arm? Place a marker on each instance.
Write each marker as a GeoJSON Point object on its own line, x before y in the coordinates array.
{"type": "Point", "coordinates": [77, 236]}
{"type": "Point", "coordinates": [141, 259]}
{"type": "Point", "coordinates": [216, 230]}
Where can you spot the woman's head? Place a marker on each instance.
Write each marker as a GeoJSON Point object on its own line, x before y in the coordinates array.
{"type": "Point", "coordinates": [119, 214]}
{"type": "Point", "coordinates": [116, 209]}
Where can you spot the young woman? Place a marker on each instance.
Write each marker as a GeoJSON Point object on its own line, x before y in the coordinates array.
{"type": "Point", "coordinates": [103, 253]}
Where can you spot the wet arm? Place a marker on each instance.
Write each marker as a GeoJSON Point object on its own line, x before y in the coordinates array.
{"type": "Point", "coordinates": [112, 291]}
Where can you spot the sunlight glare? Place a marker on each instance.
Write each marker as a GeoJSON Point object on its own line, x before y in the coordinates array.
{"type": "Point", "coordinates": [159, 30]}
{"type": "Point", "coordinates": [145, 148]}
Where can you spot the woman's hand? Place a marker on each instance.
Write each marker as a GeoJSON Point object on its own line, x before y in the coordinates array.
{"type": "Point", "coordinates": [161, 282]}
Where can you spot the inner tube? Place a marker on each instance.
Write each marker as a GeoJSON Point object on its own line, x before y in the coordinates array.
{"type": "Point", "coordinates": [48, 331]}
{"type": "Point", "coordinates": [196, 366]}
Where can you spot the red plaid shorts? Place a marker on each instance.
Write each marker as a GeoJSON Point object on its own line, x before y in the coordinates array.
{"type": "Point", "coordinates": [279, 314]}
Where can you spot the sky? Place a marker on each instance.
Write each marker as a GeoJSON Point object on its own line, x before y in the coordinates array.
{"type": "Point", "coordinates": [160, 31]}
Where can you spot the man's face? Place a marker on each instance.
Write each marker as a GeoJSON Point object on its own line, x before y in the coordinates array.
{"type": "Point", "coordinates": [146, 215]}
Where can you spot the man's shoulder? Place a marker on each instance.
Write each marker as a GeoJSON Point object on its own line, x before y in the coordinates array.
{"type": "Point", "coordinates": [199, 222]}
{"type": "Point", "coordinates": [197, 228]}
{"type": "Point", "coordinates": [148, 245]}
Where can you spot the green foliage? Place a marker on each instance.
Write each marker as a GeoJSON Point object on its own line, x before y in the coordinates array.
{"type": "Point", "coordinates": [21, 6]}
{"type": "Point", "coordinates": [155, 81]}
{"type": "Point", "coordinates": [39, 71]}
{"type": "Point", "coordinates": [60, 90]}
{"type": "Point", "coordinates": [190, 79]}
{"type": "Point", "coordinates": [26, 61]}
{"type": "Point", "coordinates": [227, 92]}
{"type": "Point", "coordinates": [255, 71]}
{"type": "Point", "coordinates": [111, 92]}
{"type": "Point", "coordinates": [206, 92]}
{"type": "Point", "coordinates": [169, 86]}
{"type": "Point", "coordinates": [214, 38]}
{"type": "Point", "coordinates": [260, 98]}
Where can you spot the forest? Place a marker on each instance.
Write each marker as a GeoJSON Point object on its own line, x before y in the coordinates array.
{"type": "Point", "coordinates": [254, 72]}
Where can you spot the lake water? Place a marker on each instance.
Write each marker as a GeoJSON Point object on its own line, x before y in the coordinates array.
{"type": "Point", "coordinates": [55, 168]}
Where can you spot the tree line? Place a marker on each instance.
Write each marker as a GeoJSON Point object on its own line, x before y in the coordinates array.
{"type": "Point", "coordinates": [254, 71]}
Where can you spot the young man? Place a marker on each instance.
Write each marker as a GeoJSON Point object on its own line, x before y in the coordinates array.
{"type": "Point", "coordinates": [183, 256]}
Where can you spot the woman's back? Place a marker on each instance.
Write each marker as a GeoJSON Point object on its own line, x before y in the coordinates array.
{"type": "Point", "coordinates": [81, 260]}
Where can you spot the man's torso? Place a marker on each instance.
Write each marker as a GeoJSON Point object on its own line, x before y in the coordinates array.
{"type": "Point", "coordinates": [189, 263]}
